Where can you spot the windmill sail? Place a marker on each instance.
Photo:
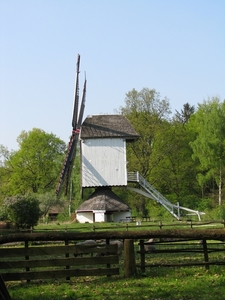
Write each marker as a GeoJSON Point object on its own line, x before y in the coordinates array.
{"type": "Point", "coordinates": [76, 124]}
{"type": "Point", "coordinates": [82, 106]}
{"type": "Point", "coordinates": [76, 96]}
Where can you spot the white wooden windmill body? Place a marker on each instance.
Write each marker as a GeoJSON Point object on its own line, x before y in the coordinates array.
{"type": "Point", "coordinates": [104, 166]}
{"type": "Point", "coordinates": [103, 150]}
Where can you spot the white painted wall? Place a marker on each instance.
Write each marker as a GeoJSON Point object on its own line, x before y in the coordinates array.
{"type": "Point", "coordinates": [99, 216]}
{"type": "Point", "coordinates": [83, 217]}
{"type": "Point", "coordinates": [104, 162]}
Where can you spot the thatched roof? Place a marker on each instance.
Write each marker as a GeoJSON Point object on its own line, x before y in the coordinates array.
{"type": "Point", "coordinates": [103, 199]}
{"type": "Point", "coordinates": [108, 126]}
{"type": "Point", "coordinates": [55, 209]}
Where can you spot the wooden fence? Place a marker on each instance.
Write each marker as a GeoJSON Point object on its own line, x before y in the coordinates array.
{"type": "Point", "coordinates": [142, 224]}
{"type": "Point", "coordinates": [57, 261]}
{"type": "Point", "coordinates": [34, 260]}
{"type": "Point", "coordinates": [183, 252]}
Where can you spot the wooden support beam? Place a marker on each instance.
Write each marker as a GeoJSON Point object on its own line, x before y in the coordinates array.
{"type": "Point", "coordinates": [129, 258]}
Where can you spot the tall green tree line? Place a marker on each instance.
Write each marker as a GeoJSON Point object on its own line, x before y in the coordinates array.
{"type": "Point", "coordinates": [182, 155]}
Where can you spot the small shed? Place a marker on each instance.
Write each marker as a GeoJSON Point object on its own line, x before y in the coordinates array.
{"type": "Point", "coordinates": [53, 212]}
{"type": "Point", "coordinates": [102, 206]}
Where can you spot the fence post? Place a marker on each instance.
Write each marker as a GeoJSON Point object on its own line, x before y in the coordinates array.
{"type": "Point", "coordinates": [27, 257]}
{"type": "Point", "coordinates": [142, 253]}
{"type": "Point", "coordinates": [206, 257]}
{"type": "Point", "coordinates": [107, 242]}
{"type": "Point", "coordinates": [67, 255]}
{"type": "Point", "coordinates": [129, 258]}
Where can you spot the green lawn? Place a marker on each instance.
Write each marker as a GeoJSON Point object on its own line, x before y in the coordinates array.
{"type": "Point", "coordinates": [154, 225]}
{"type": "Point", "coordinates": [158, 283]}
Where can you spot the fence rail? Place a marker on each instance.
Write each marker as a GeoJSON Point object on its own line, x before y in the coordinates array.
{"type": "Point", "coordinates": [132, 223]}
{"type": "Point", "coordinates": [33, 261]}
{"type": "Point", "coordinates": [198, 251]}
{"type": "Point", "coordinates": [44, 262]}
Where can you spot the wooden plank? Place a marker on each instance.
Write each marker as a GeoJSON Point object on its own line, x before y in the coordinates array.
{"type": "Point", "coordinates": [56, 250]}
{"type": "Point", "coordinates": [211, 234]}
{"type": "Point", "coordinates": [35, 251]}
{"type": "Point", "coordinates": [57, 262]}
{"type": "Point", "coordinates": [59, 274]}
{"type": "Point", "coordinates": [95, 249]}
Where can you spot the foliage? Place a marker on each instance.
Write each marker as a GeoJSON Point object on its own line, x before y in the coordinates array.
{"type": "Point", "coordinates": [46, 201]}
{"type": "Point", "coordinates": [209, 145]}
{"type": "Point", "coordinates": [173, 170]}
{"type": "Point", "coordinates": [23, 211]}
{"type": "Point", "coordinates": [64, 216]}
{"type": "Point", "coordinates": [218, 213]}
{"type": "Point", "coordinates": [146, 112]}
{"type": "Point", "coordinates": [5, 173]}
{"type": "Point", "coordinates": [35, 166]}
{"type": "Point", "coordinates": [185, 114]}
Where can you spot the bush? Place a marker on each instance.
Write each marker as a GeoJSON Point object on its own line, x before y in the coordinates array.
{"type": "Point", "coordinates": [219, 212]}
{"type": "Point", "coordinates": [23, 211]}
{"type": "Point", "coordinates": [63, 216]}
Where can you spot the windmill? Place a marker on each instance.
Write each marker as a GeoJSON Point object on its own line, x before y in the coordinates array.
{"type": "Point", "coordinates": [67, 167]}
{"type": "Point", "coordinates": [104, 165]}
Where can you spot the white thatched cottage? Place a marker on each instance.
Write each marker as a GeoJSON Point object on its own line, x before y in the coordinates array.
{"type": "Point", "coordinates": [104, 165]}
{"type": "Point", "coordinates": [102, 206]}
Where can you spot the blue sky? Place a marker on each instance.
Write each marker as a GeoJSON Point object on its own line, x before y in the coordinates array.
{"type": "Point", "coordinates": [174, 46]}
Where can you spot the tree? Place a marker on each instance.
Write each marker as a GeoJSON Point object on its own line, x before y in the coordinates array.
{"type": "Point", "coordinates": [146, 111]}
{"type": "Point", "coordinates": [23, 211]}
{"type": "Point", "coordinates": [36, 165]}
{"type": "Point", "coordinates": [5, 173]}
{"type": "Point", "coordinates": [185, 113]}
{"type": "Point", "coordinates": [173, 169]}
{"type": "Point", "coordinates": [209, 145]}
{"type": "Point", "coordinates": [46, 201]}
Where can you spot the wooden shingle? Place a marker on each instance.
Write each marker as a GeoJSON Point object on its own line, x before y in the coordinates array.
{"type": "Point", "coordinates": [108, 126]}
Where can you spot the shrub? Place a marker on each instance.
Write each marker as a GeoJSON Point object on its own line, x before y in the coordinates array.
{"type": "Point", "coordinates": [23, 211]}
{"type": "Point", "coordinates": [63, 216]}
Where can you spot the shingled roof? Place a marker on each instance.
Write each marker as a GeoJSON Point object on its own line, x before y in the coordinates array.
{"type": "Point", "coordinates": [103, 199]}
{"type": "Point", "coordinates": [108, 126]}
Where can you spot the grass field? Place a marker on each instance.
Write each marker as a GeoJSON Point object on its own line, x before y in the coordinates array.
{"type": "Point", "coordinates": [158, 283]}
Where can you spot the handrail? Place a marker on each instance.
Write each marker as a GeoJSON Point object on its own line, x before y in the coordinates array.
{"type": "Point", "coordinates": [154, 194]}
